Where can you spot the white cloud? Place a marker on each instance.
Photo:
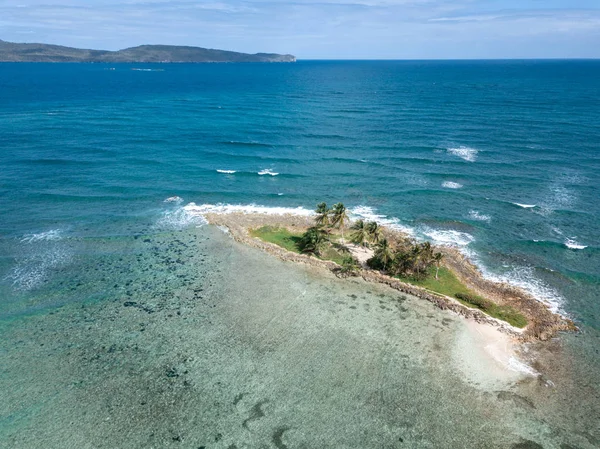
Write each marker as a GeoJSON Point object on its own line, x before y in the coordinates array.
{"type": "Point", "coordinates": [322, 29]}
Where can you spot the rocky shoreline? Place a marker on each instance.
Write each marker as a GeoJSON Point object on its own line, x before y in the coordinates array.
{"type": "Point", "coordinates": [543, 323]}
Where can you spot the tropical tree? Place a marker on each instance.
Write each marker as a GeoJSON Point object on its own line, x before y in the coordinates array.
{"type": "Point", "coordinates": [339, 217]}
{"type": "Point", "coordinates": [313, 240]}
{"type": "Point", "coordinates": [322, 218]}
{"type": "Point", "coordinates": [384, 254]}
{"type": "Point", "coordinates": [403, 262]}
{"type": "Point", "coordinates": [426, 252]}
{"type": "Point", "coordinates": [360, 236]}
{"type": "Point", "coordinates": [350, 266]}
{"type": "Point", "coordinates": [437, 258]}
{"type": "Point", "coordinates": [373, 232]}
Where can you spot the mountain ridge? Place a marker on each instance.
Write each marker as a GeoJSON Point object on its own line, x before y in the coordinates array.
{"type": "Point", "coordinates": [36, 52]}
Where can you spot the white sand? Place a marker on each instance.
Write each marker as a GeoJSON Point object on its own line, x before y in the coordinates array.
{"type": "Point", "coordinates": [488, 358]}
{"type": "Point", "coordinates": [360, 253]}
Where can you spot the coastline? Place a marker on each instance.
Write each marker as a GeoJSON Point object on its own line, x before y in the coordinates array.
{"type": "Point", "coordinates": [543, 324]}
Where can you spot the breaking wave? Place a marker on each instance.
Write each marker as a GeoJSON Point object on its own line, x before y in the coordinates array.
{"type": "Point", "coordinates": [466, 153]}
{"type": "Point", "coordinates": [451, 185]}
{"type": "Point", "coordinates": [174, 199]}
{"type": "Point", "coordinates": [267, 171]}
{"type": "Point", "coordinates": [449, 237]}
{"type": "Point", "coordinates": [525, 278]}
{"type": "Point", "coordinates": [39, 255]}
{"type": "Point", "coordinates": [177, 218]}
{"type": "Point", "coordinates": [573, 244]}
{"type": "Point", "coordinates": [199, 210]}
{"type": "Point", "coordinates": [475, 215]}
{"type": "Point", "coordinates": [53, 234]}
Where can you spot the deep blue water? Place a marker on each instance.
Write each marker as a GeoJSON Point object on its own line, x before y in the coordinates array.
{"type": "Point", "coordinates": [447, 148]}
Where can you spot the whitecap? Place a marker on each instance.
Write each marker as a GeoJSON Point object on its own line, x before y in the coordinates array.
{"type": "Point", "coordinates": [449, 237]}
{"type": "Point", "coordinates": [53, 234]}
{"type": "Point", "coordinates": [228, 172]}
{"type": "Point", "coordinates": [525, 206]}
{"type": "Point", "coordinates": [451, 185]}
{"type": "Point", "coordinates": [466, 153]}
{"type": "Point", "coordinates": [573, 244]}
{"type": "Point", "coordinates": [41, 253]}
{"type": "Point", "coordinates": [475, 215]}
{"type": "Point", "coordinates": [267, 171]}
{"type": "Point", "coordinates": [174, 199]}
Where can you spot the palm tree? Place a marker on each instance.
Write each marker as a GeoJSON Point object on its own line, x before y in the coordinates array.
{"type": "Point", "coordinates": [384, 253]}
{"type": "Point", "coordinates": [373, 231]}
{"type": "Point", "coordinates": [437, 258]}
{"type": "Point", "coordinates": [403, 263]}
{"type": "Point", "coordinates": [312, 240]}
{"type": "Point", "coordinates": [426, 251]}
{"type": "Point", "coordinates": [349, 266]}
{"type": "Point", "coordinates": [360, 236]}
{"type": "Point", "coordinates": [322, 212]}
{"type": "Point", "coordinates": [339, 217]}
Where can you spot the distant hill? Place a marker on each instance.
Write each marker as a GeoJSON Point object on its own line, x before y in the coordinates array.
{"type": "Point", "coordinates": [12, 52]}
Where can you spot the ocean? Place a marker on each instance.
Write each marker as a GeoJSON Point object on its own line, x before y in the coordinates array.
{"type": "Point", "coordinates": [500, 158]}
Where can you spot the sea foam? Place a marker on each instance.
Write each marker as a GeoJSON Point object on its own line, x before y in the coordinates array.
{"type": "Point", "coordinates": [525, 206]}
{"type": "Point", "coordinates": [178, 219]}
{"type": "Point", "coordinates": [573, 244]}
{"type": "Point", "coordinates": [200, 210]}
{"type": "Point", "coordinates": [53, 234]}
{"type": "Point", "coordinates": [451, 185]}
{"type": "Point", "coordinates": [448, 237]}
{"type": "Point", "coordinates": [267, 171]}
{"type": "Point", "coordinates": [475, 215]}
{"type": "Point", "coordinates": [525, 278]}
{"type": "Point", "coordinates": [228, 172]}
{"type": "Point", "coordinates": [466, 153]}
{"type": "Point", "coordinates": [517, 365]}
{"type": "Point", "coordinates": [174, 199]}
{"type": "Point", "coordinates": [41, 253]}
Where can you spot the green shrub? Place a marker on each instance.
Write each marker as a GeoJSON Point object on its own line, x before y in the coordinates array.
{"type": "Point", "coordinates": [475, 300]}
{"type": "Point", "coordinates": [349, 266]}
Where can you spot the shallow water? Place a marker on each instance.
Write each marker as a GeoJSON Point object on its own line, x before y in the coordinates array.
{"type": "Point", "coordinates": [240, 350]}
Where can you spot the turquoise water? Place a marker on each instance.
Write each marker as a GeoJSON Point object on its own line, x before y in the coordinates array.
{"type": "Point", "coordinates": [500, 158]}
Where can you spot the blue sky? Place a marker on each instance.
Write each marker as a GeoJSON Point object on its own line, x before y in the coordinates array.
{"type": "Point", "coordinates": [319, 29]}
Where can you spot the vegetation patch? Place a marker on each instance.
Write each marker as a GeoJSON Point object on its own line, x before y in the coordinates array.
{"type": "Point", "coordinates": [279, 236]}
{"type": "Point", "coordinates": [449, 285]}
{"type": "Point", "coordinates": [412, 262]}
{"type": "Point", "coordinates": [504, 313]}
{"type": "Point", "coordinates": [294, 241]}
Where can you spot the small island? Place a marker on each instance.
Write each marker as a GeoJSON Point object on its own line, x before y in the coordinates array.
{"type": "Point", "coordinates": [34, 52]}
{"type": "Point", "coordinates": [441, 275]}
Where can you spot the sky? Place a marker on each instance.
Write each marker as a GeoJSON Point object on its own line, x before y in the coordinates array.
{"type": "Point", "coordinates": [318, 29]}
